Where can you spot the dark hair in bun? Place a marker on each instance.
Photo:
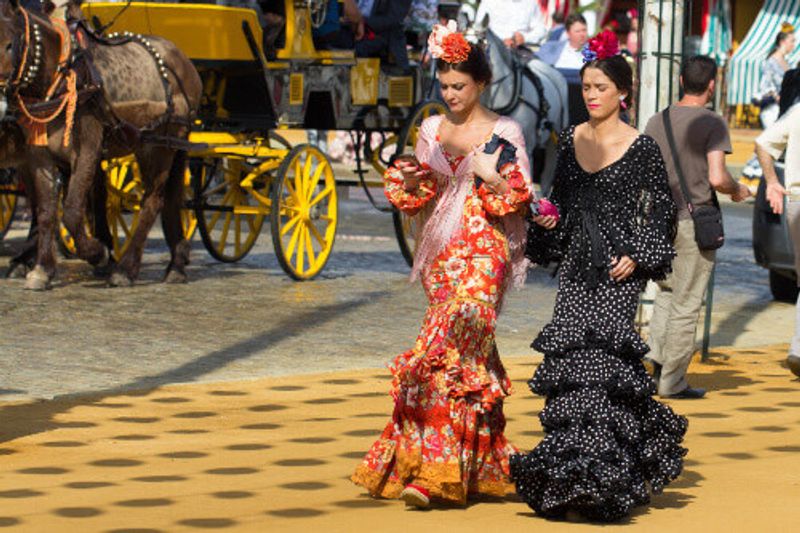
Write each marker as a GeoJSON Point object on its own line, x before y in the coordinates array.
{"type": "Point", "coordinates": [476, 65]}
{"type": "Point", "coordinates": [618, 71]}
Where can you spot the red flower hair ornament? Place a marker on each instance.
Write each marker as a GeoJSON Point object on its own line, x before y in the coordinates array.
{"type": "Point", "coordinates": [602, 46]}
{"type": "Point", "coordinates": [447, 44]}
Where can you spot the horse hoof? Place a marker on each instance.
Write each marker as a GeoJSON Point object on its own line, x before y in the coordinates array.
{"type": "Point", "coordinates": [120, 279]}
{"type": "Point", "coordinates": [17, 271]}
{"type": "Point", "coordinates": [103, 269]}
{"type": "Point", "coordinates": [37, 280]}
{"type": "Point", "coordinates": [174, 276]}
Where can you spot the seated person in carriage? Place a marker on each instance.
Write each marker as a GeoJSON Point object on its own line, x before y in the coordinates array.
{"type": "Point", "coordinates": [519, 23]}
{"type": "Point", "coordinates": [374, 29]}
{"type": "Point", "coordinates": [384, 30]}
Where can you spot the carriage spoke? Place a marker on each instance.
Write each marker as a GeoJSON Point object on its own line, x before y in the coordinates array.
{"type": "Point", "coordinates": [314, 181]}
{"type": "Point", "coordinates": [224, 237]}
{"type": "Point", "coordinates": [310, 248]}
{"type": "Point", "coordinates": [321, 196]}
{"type": "Point", "coordinates": [291, 190]}
{"type": "Point", "coordinates": [289, 225]}
{"type": "Point", "coordinates": [301, 243]}
{"type": "Point", "coordinates": [298, 180]}
{"type": "Point", "coordinates": [215, 217]}
{"type": "Point", "coordinates": [317, 235]}
{"type": "Point", "coordinates": [293, 241]}
{"type": "Point", "coordinates": [238, 234]}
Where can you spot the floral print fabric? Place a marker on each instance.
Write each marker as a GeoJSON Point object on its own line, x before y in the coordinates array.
{"type": "Point", "coordinates": [446, 432]}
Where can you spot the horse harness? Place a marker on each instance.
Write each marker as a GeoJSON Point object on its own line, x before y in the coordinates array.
{"type": "Point", "coordinates": [520, 71]}
{"type": "Point", "coordinates": [77, 80]}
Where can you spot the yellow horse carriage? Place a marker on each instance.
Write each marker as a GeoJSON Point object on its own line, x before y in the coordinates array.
{"type": "Point", "coordinates": [241, 169]}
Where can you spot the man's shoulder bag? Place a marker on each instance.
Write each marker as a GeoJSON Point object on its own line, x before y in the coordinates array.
{"type": "Point", "coordinates": [708, 231]}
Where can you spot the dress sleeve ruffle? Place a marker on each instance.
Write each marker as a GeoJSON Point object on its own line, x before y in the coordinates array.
{"type": "Point", "coordinates": [410, 202]}
{"type": "Point", "coordinates": [650, 242]}
{"type": "Point", "coordinates": [514, 199]}
{"type": "Point", "coordinates": [516, 170]}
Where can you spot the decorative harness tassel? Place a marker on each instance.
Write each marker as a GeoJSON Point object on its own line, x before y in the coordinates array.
{"type": "Point", "coordinates": [37, 126]}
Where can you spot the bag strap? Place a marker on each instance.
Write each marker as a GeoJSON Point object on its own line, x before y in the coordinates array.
{"type": "Point", "coordinates": [676, 162]}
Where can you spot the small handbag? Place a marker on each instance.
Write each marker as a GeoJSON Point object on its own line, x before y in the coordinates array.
{"type": "Point", "coordinates": [708, 231]}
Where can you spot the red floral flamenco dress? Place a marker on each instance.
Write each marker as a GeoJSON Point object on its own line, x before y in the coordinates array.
{"type": "Point", "coordinates": [446, 432]}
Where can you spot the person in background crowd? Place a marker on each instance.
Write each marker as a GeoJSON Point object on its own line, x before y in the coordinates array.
{"type": "Point", "coordinates": [772, 72]}
{"type": "Point", "coordinates": [331, 34]}
{"type": "Point", "coordinates": [784, 137]}
{"type": "Point", "coordinates": [422, 16]}
{"type": "Point", "coordinates": [558, 31]}
{"type": "Point", "coordinates": [632, 41]}
{"type": "Point", "coordinates": [517, 22]}
{"type": "Point", "coordinates": [790, 90]}
{"type": "Point", "coordinates": [768, 95]}
{"type": "Point", "coordinates": [384, 31]}
{"type": "Point", "coordinates": [702, 140]}
{"type": "Point", "coordinates": [566, 54]}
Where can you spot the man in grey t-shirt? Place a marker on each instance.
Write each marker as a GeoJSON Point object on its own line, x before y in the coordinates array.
{"type": "Point", "coordinates": [702, 140]}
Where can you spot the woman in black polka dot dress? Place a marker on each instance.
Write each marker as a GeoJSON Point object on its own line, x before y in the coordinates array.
{"type": "Point", "coordinates": [608, 444]}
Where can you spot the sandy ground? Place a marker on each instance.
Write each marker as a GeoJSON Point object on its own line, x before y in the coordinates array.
{"type": "Point", "coordinates": [275, 454]}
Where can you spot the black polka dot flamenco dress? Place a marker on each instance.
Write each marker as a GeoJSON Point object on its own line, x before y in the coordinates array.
{"type": "Point", "coordinates": [608, 443]}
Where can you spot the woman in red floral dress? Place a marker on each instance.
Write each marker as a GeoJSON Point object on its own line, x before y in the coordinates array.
{"type": "Point", "coordinates": [470, 180]}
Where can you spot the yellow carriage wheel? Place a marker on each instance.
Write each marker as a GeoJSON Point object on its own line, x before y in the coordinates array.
{"type": "Point", "coordinates": [66, 244]}
{"type": "Point", "coordinates": [405, 227]}
{"type": "Point", "coordinates": [228, 216]}
{"type": "Point", "coordinates": [9, 190]}
{"type": "Point", "coordinates": [125, 194]}
{"type": "Point", "coordinates": [304, 212]}
{"type": "Point", "coordinates": [188, 216]}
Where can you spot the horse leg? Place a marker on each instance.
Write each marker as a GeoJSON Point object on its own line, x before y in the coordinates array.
{"type": "Point", "coordinates": [24, 260]}
{"type": "Point", "coordinates": [82, 180]}
{"type": "Point", "coordinates": [155, 166]}
{"type": "Point", "coordinates": [179, 247]}
{"type": "Point", "coordinates": [100, 219]}
{"type": "Point", "coordinates": [43, 272]}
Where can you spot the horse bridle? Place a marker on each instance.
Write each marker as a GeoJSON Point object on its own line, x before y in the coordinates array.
{"type": "Point", "coordinates": [23, 74]}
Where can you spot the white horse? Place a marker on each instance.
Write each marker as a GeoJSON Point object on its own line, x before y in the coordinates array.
{"type": "Point", "coordinates": [533, 94]}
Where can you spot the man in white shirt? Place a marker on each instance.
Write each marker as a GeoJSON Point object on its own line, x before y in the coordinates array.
{"type": "Point", "coordinates": [784, 135]}
{"type": "Point", "coordinates": [517, 22]}
{"type": "Point", "coordinates": [567, 54]}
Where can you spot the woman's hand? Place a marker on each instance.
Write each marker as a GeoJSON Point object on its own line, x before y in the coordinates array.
{"type": "Point", "coordinates": [484, 166]}
{"type": "Point", "coordinates": [411, 174]}
{"type": "Point", "coordinates": [622, 268]}
{"type": "Point", "coordinates": [547, 222]}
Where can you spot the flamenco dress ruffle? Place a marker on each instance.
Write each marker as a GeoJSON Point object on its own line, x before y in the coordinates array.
{"type": "Point", "coordinates": [446, 431]}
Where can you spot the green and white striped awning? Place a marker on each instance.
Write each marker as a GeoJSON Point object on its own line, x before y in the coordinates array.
{"type": "Point", "coordinates": [745, 66]}
{"type": "Point", "coordinates": [716, 40]}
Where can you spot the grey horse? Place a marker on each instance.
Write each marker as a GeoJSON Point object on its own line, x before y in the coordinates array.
{"type": "Point", "coordinates": [531, 92]}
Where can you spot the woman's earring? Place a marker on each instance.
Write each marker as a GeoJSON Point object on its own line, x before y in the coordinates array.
{"type": "Point", "coordinates": [622, 103]}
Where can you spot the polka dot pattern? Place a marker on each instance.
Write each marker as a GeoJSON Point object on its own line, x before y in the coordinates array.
{"type": "Point", "coordinates": [608, 444]}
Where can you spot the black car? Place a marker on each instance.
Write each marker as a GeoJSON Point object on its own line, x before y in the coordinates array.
{"type": "Point", "coordinates": [772, 245]}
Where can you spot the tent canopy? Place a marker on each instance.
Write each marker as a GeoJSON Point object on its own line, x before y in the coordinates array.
{"type": "Point", "coordinates": [745, 67]}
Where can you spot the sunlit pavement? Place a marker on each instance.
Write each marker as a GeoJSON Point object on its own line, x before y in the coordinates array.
{"type": "Point", "coordinates": [274, 455]}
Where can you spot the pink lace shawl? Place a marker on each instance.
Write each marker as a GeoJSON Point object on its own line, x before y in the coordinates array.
{"type": "Point", "coordinates": [445, 218]}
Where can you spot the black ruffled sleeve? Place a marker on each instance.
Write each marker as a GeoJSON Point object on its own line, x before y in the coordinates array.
{"type": "Point", "coordinates": [650, 242]}
{"type": "Point", "coordinates": [548, 246]}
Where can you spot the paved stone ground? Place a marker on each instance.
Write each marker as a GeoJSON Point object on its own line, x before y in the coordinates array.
{"type": "Point", "coordinates": [248, 320]}
{"type": "Point", "coordinates": [275, 454]}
